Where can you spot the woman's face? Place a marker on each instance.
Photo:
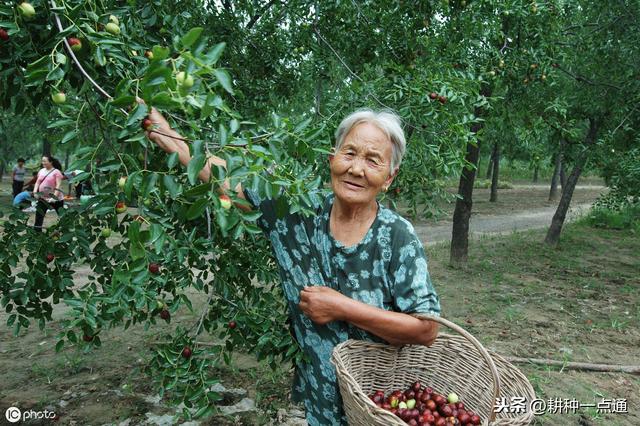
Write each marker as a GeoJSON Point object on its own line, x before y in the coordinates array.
{"type": "Point", "coordinates": [360, 169]}
{"type": "Point", "coordinates": [46, 163]}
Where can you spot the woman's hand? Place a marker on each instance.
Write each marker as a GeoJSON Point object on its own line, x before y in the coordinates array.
{"type": "Point", "coordinates": [160, 128]}
{"type": "Point", "coordinates": [161, 133]}
{"type": "Point", "coordinates": [322, 304]}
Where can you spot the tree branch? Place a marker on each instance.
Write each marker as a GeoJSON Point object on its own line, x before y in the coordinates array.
{"type": "Point", "coordinates": [632, 369]}
{"type": "Point", "coordinates": [255, 18]}
{"type": "Point", "coordinates": [586, 80]}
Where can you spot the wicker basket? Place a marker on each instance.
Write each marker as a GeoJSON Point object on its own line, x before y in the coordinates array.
{"type": "Point", "coordinates": [457, 364]}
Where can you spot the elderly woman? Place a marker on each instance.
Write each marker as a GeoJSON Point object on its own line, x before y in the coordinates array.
{"type": "Point", "coordinates": [354, 270]}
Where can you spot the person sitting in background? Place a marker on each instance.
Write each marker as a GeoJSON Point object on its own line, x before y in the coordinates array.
{"type": "Point", "coordinates": [26, 195]}
{"type": "Point", "coordinates": [47, 189]}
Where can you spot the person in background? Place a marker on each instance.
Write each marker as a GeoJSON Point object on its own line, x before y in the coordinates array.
{"type": "Point", "coordinates": [81, 188]}
{"type": "Point", "coordinates": [25, 195]}
{"type": "Point", "coordinates": [18, 177]}
{"type": "Point", "coordinates": [47, 189]}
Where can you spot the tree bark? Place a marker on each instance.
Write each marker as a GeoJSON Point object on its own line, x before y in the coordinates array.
{"type": "Point", "coordinates": [46, 148]}
{"type": "Point", "coordinates": [553, 190]}
{"type": "Point", "coordinates": [563, 174]}
{"type": "Point", "coordinates": [535, 173]}
{"type": "Point", "coordinates": [460, 231]}
{"type": "Point", "coordinates": [479, 158]}
{"type": "Point", "coordinates": [490, 165]}
{"type": "Point", "coordinates": [553, 234]}
{"type": "Point", "coordinates": [496, 173]}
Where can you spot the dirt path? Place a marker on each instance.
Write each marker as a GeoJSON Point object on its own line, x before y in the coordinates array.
{"type": "Point", "coordinates": [431, 234]}
{"type": "Point", "coordinates": [523, 207]}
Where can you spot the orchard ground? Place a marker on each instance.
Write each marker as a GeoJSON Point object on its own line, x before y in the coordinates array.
{"type": "Point", "coordinates": [579, 302]}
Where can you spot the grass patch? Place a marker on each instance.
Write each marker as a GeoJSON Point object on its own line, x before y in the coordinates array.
{"type": "Point", "coordinates": [627, 217]}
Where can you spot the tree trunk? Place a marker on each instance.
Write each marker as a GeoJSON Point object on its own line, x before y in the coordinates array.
{"type": "Point", "coordinates": [490, 165]}
{"type": "Point", "coordinates": [46, 148]}
{"type": "Point", "coordinates": [553, 234]}
{"type": "Point", "coordinates": [479, 158]}
{"type": "Point", "coordinates": [553, 190]}
{"type": "Point", "coordinates": [535, 173]}
{"type": "Point", "coordinates": [563, 174]}
{"type": "Point", "coordinates": [459, 253]}
{"type": "Point", "coordinates": [462, 212]}
{"type": "Point", "coordinates": [496, 173]}
{"type": "Point", "coordinates": [2, 167]}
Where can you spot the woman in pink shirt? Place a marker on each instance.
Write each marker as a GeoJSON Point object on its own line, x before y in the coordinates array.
{"type": "Point", "coordinates": [47, 189]}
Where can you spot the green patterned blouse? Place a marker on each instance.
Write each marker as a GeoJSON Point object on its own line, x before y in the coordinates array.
{"type": "Point", "coordinates": [387, 269]}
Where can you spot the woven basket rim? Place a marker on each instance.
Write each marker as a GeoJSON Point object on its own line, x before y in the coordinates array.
{"type": "Point", "coordinates": [489, 357]}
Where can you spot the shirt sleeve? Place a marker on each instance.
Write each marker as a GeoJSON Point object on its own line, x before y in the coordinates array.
{"type": "Point", "coordinates": [276, 210]}
{"type": "Point", "coordinates": [413, 291]}
{"type": "Point", "coordinates": [266, 206]}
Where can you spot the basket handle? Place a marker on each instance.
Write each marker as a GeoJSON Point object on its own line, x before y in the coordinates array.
{"type": "Point", "coordinates": [481, 349]}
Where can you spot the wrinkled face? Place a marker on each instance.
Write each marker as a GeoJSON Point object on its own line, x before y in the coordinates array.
{"type": "Point", "coordinates": [360, 169]}
{"type": "Point", "coordinates": [46, 163]}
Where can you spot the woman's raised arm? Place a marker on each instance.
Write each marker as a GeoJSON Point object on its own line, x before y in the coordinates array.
{"type": "Point", "coordinates": [170, 141]}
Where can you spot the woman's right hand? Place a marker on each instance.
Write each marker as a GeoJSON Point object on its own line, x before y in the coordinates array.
{"type": "Point", "coordinates": [161, 132]}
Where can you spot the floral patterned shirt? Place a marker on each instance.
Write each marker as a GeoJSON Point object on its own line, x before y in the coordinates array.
{"type": "Point", "coordinates": [387, 269]}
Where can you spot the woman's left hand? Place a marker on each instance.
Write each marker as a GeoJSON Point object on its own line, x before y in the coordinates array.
{"type": "Point", "coordinates": [322, 304]}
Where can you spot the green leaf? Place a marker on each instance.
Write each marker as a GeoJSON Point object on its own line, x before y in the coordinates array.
{"type": "Point", "coordinates": [171, 185]}
{"type": "Point", "coordinates": [172, 160]}
{"type": "Point", "coordinates": [136, 250]}
{"type": "Point", "coordinates": [221, 218]}
{"type": "Point", "coordinates": [194, 167]}
{"type": "Point", "coordinates": [198, 191]}
{"type": "Point", "coordinates": [149, 184]}
{"type": "Point", "coordinates": [68, 136]}
{"type": "Point", "coordinates": [160, 53]}
{"type": "Point", "coordinates": [222, 135]}
{"type": "Point", "coordinates": [204, 411]}
{"type": "Point", "coordinates": [123, 101]}
{"type": "Point", "coordinates": [100, 58]}
{"type": "Point", "coordinates": [138, 114]}
{"type": "Point", "coordinates": [134, 232]}
{"type": "Point", "coordinates": [301, 126]}
{"type": "Point", "coordinates": [55, 74]}
{"type": "Point", "coordinates": [197, 209]}
{"type": "Point", "coordinates": [214, 54]}
{"type": "Point", "coordinates": [234, 125]}
{"type": "Point", "coordinates": [191, 37]}
{"type": "Point", "coordinates": [224, 79]}
{"type": "Point", "coordinates": [164, 100]}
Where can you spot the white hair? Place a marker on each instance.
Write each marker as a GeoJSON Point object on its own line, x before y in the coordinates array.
{"type": "Point", "coordinates": [387, 121]}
